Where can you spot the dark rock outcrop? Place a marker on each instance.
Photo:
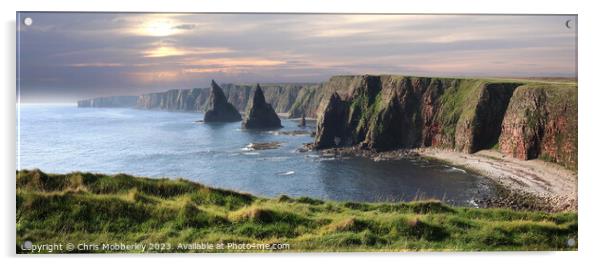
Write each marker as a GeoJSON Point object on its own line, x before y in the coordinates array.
{"type": "Point", "coordinates": [260, 114]}
{"type": "Point", "coordinates": [524, 119]}
{"type": "Point", "coordinates": [111, 101]}
{"type": "Point", "coordinates": [389, 112]}
{"type": "Point", "coordinates": [283, 98]}
{"type": "Point", "coordinates": [381, 113]}
{"type": "Point", "coordinates": [219, 109]}
{"type": "Point", "coordinates": [295, 99]}
{"type": "Point", "coordinates": [330, 129]}
{"type": "Point", "coordinates": [481, 130]}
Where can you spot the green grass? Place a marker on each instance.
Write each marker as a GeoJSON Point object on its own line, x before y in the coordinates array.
{"type": "Point", "coordinates": [458, 103]}
{"type": "Point", "coordinates": [96, 208]}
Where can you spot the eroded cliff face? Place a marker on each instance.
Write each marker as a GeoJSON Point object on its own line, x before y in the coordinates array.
{"type": "Point", "coordinates": [175, 100]}
{"type": "Point", "coordinates": [111, 101]}
{"type": "Point", "coordinates": [296, 99]}
{"type": "Point", "coordinates": [282, 97]}
{"type": "Point", "coordinates": [541, 122]}
{"type": "Point", "coordinates": [390, 112]}
{"type": "Point", "coordinates": [525, 120]}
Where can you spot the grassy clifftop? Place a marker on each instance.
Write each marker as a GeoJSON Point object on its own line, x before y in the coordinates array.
{"type": "Point", "coordinates": [94, 208]}
{"type": "Point", "coordinates": [526, 119]}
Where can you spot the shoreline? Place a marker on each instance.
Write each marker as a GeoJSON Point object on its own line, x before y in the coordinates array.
{"type": "Point", "coordinates": [80, 206]}
{"type": "Point", "coordinates": [523, 185]}
{"type": "Point", "coordinates": [543, 182]}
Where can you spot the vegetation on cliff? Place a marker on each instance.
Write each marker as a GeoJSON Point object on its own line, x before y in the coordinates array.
{"type": "Point", "coordinates": [541, 122]}
{"type": "Point", "coordinates": [525, 119]}
{"type": "Point", "coordinates": [96, 208]}
{"type": "Point", "coordinates": [391, 112]}
{"type": "Point", "coordinates": [293, 98]}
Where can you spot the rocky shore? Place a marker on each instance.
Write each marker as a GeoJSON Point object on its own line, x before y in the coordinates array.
{"type": "Point", "coordinates": [533, 185]}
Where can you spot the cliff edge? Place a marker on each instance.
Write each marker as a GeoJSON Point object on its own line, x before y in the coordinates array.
{"type": "Point", "coordinates": [525, 120]}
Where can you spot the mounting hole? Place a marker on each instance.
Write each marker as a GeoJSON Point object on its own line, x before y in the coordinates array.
{"type": "Point", "coordinates": [571, 242]}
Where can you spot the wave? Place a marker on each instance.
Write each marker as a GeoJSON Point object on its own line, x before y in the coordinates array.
{"type": "Point", "coordinates": [454, 169]}
{"type": "Point", "coordinates": [287, 173]}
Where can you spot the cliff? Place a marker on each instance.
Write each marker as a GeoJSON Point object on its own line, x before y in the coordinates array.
{"type": "Point", "coordinates": [525, 119]}
{"type": "Point", "coordinates": [175, 100]}
{"type": "Point", "coordinates": [390, 112]}
{"type": "Point", "coordinates": [295, 99]}
{"type": "Point", "coordinates": [541, 122]}
{"type": "Point", "coordinates": [282, 97]}
{"type": "Point", "coordinates": [111, 101]}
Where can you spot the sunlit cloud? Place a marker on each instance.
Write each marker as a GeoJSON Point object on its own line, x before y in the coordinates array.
{"type": "Point", "coordinates": [230, 65]}
{"type": "Point", "coordinates": [154, 76]}
{"type": "Point", "coordinates": [156, 25]}
{"type": "Point", "coordinates": [81, 55]}
{"type": "Point", "coordinates": [96, 65]}
{"type": "Point", "coordinates": [340, 32]}
{"type": "Point", "coordinates": [165, 51]}
{"type": "Point", "coordinates": [159, 28]}
{"type": "Point", "coordinates": [209, 70]}
{"type": "Point", "coordinates": [241, 62]}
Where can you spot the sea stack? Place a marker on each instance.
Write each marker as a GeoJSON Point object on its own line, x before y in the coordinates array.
{"type": "Point", "coordinates": [260, 115]}
{"type": "Point", "coordinates": [220, 110]}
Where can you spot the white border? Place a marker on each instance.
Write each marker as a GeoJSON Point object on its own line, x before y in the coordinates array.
{"type": "Point", "coordinates": [589, 110]}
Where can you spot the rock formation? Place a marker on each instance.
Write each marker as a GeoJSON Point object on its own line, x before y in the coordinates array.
{"type": "Point", "coordinates": [524, 119]}
{"type": "Point", "coordinates": [283, 98]}
{"type": "Point", "coordinates": [219, 109]}
{"type": "Point", "coordinates": [329, 127]}
{"type": "Point", "coordinates": [295, 99]}
{"type": "Point", "coordinates": [111, 101]}
{"type": "Point", "coordinates": [390, 112]}
{"type": "Point", "coordinates": [260, 114]}
{"type": "Point", "coordinates": [541, 122]}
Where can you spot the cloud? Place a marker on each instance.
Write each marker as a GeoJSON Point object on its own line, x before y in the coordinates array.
{"type": "Point", "coordinates": [79, 55]}
{"type": "Point", "coordinates": [185, 26]}
{"type": "Point", "coordinates": [238, 62]}
{"type": "Point", "coordinates": [165, 51]}
{"type": "Point", "coordinates": [96, 65]}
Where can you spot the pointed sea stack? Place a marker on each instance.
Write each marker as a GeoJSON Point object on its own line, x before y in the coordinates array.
{"type": "Point", "coordinates": [220, 110]}
{"type": "Point", "coordinates": [260, 114]}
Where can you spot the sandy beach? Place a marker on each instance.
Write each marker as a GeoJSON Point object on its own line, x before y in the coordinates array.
{"type": "Point", "coordinates": [552, 183]}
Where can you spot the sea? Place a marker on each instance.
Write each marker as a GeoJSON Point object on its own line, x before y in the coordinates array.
{"type": "Point", "coordinates": [160, 144]}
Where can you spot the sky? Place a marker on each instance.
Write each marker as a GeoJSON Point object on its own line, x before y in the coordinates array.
{"type": "Point", "coordinates": [64, 57]}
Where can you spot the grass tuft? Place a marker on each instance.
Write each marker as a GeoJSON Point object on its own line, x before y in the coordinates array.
{"type": "Point", "coordinates": [84, 207]}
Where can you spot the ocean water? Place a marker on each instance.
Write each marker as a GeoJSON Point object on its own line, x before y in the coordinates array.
{"type": "Point", "coordinates": [62, 139]}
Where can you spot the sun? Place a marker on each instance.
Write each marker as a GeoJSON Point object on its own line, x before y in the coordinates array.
{"type": "Point", "coordinates": [159, 28]}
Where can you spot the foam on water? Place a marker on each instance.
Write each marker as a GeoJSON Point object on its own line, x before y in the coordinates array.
{"type": "Point", "coordinates": [61, 139]}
